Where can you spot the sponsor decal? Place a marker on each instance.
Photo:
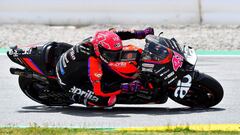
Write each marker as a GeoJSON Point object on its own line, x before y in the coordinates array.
{"type": "Point", "coordinates": [118, 64]}
{"type": "Point", "coordinates": [177, 61]}
{"type": "Point", "coordinates": [183, 86]}
{"type": "Point", "coordinates": [98, 75]}
{"type": "Point", "coordinates": [146, 67]}
{"type": "Point", "coordinates": [172, 80]}
{"type": "Point", "coordinates": [165, 72]}
{"type": "Point", "coordinates": [15, 53]}
{"type": "Point", "coordinates": [72, 55]}
{"type": "Point", "coordinates": [169, 75]}
{"type": "Point", "coordinates": [85, 94]}
{"type": "Point", "coordinates": [161, 69]}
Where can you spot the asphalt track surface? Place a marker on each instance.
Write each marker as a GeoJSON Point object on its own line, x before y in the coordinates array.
{"type": "Point", "coordinates": [18, 110]}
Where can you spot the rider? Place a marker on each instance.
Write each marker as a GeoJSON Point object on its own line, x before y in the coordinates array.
{"type": "Point", "coordinates": [90, 61]}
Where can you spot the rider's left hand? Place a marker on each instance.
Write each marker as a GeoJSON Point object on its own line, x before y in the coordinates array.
{"type": "Point", "coordinates": [149, 31]}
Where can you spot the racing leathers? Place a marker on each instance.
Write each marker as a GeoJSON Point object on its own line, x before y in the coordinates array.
{"type": "Point", "coordinates": [91, 81]}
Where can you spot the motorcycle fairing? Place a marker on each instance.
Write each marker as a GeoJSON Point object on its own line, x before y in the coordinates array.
{"type": "Point", "coordinates": [190, 55]}
{"type": "Point", "coordinates": [32, 65]}
{"type": "Point", "coordinates": [159, 59]}
{"type": "Point", "coordinates": [34, 58]}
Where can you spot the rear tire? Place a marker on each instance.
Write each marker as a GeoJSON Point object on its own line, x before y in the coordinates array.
{"type": "Point", "coordinates": [205, 92]}
{"type": "Point", "coordinates": [26, 85]}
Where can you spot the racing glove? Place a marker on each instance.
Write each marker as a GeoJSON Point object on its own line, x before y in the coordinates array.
{"type": "Point", "coordinates": [140, 34]}
{"type": "Point", "coordinates": [131, 87]}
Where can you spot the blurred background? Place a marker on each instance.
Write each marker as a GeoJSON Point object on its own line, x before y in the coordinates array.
{"type": "Point", "coordinates": [205, 24]}
{"type": "Point", "coordinates": [85, 12]}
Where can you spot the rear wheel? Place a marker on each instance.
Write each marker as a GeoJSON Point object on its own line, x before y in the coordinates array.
{"type": "Point", "coordinates": [28, 86]}
{"type": "Point", "coordinates": [204, 92]}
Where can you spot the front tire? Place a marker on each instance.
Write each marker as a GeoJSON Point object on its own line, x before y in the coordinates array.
{"type": "Point", "coordinates": [204, 92]}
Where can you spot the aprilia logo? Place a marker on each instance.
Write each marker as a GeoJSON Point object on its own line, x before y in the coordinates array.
{"type": "Point", "coordinates": [118, 64]}
{"type": "Point", "coordinates": [183, 86]}
{"type": "Point", "coordinates": [86, 94]}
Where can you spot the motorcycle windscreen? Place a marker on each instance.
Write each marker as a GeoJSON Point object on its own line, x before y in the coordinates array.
{"type": "Point", "coordinates": [158, 52]}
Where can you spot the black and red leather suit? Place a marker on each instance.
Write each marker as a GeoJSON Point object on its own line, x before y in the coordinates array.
{"type": "Point", "coordinates": [91, 81]}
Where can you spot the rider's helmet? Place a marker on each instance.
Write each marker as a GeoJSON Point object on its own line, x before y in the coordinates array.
{"type": "Point", "coordinates": [107, 46]}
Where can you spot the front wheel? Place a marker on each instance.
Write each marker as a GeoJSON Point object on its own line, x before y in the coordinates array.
{"type": "Point", "coordinates": [204, 92]}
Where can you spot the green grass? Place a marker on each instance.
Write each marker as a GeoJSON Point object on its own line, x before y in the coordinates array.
{"type": "Point", "coordinates": [80, 131]}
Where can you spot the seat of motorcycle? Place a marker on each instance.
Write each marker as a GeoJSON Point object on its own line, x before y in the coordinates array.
{"type": "Point", "coordinates": [47, 48]}
{"type": "Point", "coordinates": [53, 50]}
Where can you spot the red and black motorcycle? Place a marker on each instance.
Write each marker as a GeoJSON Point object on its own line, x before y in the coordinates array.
{"type": "Point", "coordinates": [165, 70]}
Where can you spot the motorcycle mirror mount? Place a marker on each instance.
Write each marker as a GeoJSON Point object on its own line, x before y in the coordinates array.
{"type": "Point", "coordinates": [160, 33]}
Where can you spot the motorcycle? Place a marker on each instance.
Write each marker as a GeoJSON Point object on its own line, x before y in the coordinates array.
{"type": "Point", "coordinates": [165, 71]}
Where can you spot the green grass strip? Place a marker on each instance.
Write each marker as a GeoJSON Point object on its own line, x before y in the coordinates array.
{"type": "Point", "coordinates": [197, 127]}
{"type": "Point", "coordinates": [82, 131]}
{"type": "Point", "coordinates": [201, 129]}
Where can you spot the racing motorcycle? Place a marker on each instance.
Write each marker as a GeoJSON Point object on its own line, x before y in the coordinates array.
{"type": "Point", "coordinates": [165, 71]}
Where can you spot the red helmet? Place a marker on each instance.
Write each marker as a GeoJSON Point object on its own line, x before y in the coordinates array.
{"type": "Point", "coordinates": [107, 46]}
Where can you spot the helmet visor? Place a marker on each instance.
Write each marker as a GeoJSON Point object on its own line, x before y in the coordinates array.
{"type": "Point", "coordinates": [110, 56]}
